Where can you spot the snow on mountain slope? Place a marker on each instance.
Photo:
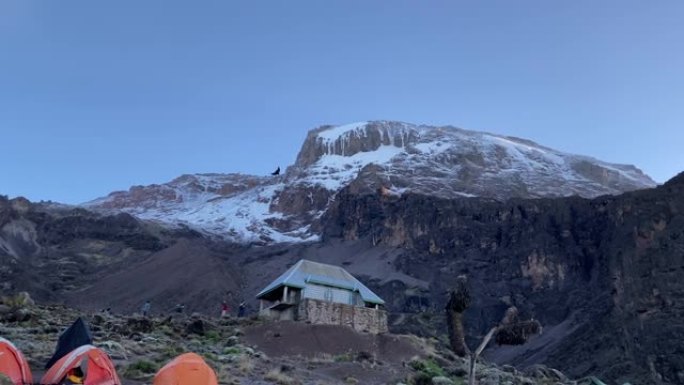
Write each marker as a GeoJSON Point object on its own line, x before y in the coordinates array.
{"type": "Point", "coordinates": [233, 206]}
{"type": "Point", "coordinates": [395, 156]}
{"type": "Point", "coordinates": [447, 161]}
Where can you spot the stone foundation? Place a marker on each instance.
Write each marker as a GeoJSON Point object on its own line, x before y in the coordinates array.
{"type": "Point", "coordinates": [362, 319]}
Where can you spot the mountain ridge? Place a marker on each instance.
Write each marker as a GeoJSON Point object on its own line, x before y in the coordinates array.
{"type": "Point", "coordinates": [394, 156]}
{"type": "Point", "coordinates": [602, 275]}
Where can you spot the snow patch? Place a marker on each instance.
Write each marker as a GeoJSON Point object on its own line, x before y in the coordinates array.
{"type": "Point", "coordinates": [432, 148]}
{"type": "Point", "coordinates": [333, 133]}
{"type": "Point", "coordinates": [335, 171]}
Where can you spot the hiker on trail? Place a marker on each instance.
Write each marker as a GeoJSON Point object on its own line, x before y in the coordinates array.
{"type": "Point", "coordinates": [74, 376]}
{"type": "Point", "coordinates": [146, 308]}
{"type": "Point", "coordinates": [276, 172]}
{"type": "Point", "coordinates": [241, 309]}
{"type": "Point", "coordinates": [225, 309]}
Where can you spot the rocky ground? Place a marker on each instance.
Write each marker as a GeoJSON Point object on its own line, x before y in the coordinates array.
{"type": "Point", "coordinates": [602, 276]}
{"type": "Point", "coordinates": [250, 351]}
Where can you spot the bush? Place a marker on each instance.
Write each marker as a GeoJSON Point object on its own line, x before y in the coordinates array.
{"type": "Point", "coordinates": [233, 350]}
{"type": "Point", "coordinates": [212, 336]}
{"type": "Point", "coordinates": [347, 357]}
{"type": "Point", "coordinates": [420, 378]}
{"type": "Point", "coordinates": [142, 369]}
{"type": "Point", "coordinates": [245, 364]}
{"type": "Point", "coordinates": [428, 367]}
{"type": "Point", "coordinates": [210, 356]}
{"type": "Point", "coordinates": [280, 378]}
{"type": "Point", "coordinates": [144, 366]}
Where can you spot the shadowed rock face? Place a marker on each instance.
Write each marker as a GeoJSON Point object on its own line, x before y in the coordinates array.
{"type": "Point", "coordinates": [47, 251]}
{"type": "Point", "coordinates": [604, 276]}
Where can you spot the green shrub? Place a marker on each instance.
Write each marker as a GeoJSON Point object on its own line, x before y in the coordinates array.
{"type": "Point", "coordinates": [212, 336]}
{"type": "Point", "coordinates": [210, 356]}
{"type": "Point", "coordinates": [140, 370]}
{"type": "Point", "coordinates": [429, 367]}
{"type": "Point", "coordinates": [420, 378]}
{"type": "Point", "coordinates": [171, 351]}
{"type": "Point", "coordinates": [144, 366]}
{"type": "Point", "coordinates": [233, 350]}
{"type": "Point", "coordinates": [347, 357]}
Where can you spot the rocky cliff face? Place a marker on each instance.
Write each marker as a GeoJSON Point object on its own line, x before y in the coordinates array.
{"type": "Point", "coordinates": [604, 276]}
{"type": "Point", "coordinates": [397, 157]}
{"type": "Point", "coordinates": [48, 250]}
{"type": "Point", "coordinates": [352, 139]}
{"type": "Point", "coordinates": [448, 162]}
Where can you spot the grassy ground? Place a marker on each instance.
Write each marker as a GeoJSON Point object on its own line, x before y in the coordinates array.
{"type": "Point", "coordinates": [140, 346]}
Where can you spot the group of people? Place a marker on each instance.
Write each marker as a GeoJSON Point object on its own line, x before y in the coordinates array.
{"type": "Point", "coordinates": [225, 309]}
{"type": "Point", "coordinates": [180, 308]}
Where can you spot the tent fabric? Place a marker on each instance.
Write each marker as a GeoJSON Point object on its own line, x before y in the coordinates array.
{"type": "Point", "coordinates": [95, 363]}
{"type": "Point", "coordinates": [186, 369]}
{"type": "Point", "coordinates": [13, 364]}
{"type": "Point", "coordinates": [77, 335]}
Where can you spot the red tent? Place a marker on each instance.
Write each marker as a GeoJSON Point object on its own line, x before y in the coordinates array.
{"type": "Point", "coordinates": [94, 363]}
{"type": "Point", "coordinates": [186, 369]}
{"type": "Point", "coordinates": [13, 364]}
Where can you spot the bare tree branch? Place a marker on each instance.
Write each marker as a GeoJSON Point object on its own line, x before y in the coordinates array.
{"type": "Point", "coordinates": [509, 331]}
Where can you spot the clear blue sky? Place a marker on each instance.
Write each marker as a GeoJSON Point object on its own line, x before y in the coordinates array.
{"type": "Point", "coordinates": [96, 96]}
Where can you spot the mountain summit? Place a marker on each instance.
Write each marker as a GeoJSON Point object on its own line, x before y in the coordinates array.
{"type": "Point", "coordinates": [392, 157]}
{"type": "Point", "coordinates": [451, 161]}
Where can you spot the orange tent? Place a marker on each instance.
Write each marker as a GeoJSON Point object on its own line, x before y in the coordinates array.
{"type": "Point", "coordinates": [95, 364]}
{"type": "Point", "coordinates": [186, 369]}
{"type": "Point", "coordinates": [13, 364]}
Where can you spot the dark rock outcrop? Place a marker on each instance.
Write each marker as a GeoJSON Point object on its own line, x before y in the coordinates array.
{"type": "Point", "coordinates": [604, 276]}
{"type": "Point", "coordinates": [46, 251]}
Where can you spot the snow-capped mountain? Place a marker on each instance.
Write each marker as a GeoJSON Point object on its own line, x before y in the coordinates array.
{"type": "Point", "coordinates": [391, 157]}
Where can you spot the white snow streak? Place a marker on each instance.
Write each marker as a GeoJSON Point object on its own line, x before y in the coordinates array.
{"type": "Point", "coordinates": [244, 211]}
{"type": "Point", "coordinates": [335, 132]}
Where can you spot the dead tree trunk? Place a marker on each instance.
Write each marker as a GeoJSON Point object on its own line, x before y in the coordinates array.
{"type": "Point", "coordinates": [476, 354]}
{"type": "Point", "coordinates": [510, 331]}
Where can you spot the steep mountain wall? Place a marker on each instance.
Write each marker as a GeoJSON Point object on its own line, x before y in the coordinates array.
{"type": "Point", "coordinates": [49, 251]}
{"type": "Point", "coordinates": [604, 276]}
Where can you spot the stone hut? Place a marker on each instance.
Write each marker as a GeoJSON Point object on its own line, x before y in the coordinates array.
{"type": "Point", "coordinates": [318, 293]}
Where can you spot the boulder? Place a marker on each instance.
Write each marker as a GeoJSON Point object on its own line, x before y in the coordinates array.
{"type": "Point", "coordinates": [196, 326]}
{"type": "Point", "coordinates": [441, 380]}
{"type": "Point", "coordinates": [24, 298]}
{"type": "Point", "coordinates": [139, 325]}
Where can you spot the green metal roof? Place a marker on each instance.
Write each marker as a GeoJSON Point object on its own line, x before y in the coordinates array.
{"type": "Point", "coordinates": [305, 271]}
